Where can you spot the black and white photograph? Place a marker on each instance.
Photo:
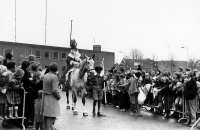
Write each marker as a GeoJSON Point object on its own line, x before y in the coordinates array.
{"type": "Point", "coordinates": [99, 64]}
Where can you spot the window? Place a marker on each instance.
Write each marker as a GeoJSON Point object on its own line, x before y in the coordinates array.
{"type": "Point", "coordinates": [28, 52]}
{"type": "Point", "coordinates": [63, 68]}
{"type": "Point", "coordinates": [64, 55]}
{"type": "Point", "coordinates": [46, 55]}
{"type": "Point", "coordinates": [55, 55]}
{"type": "Point", "coordinates": [38, 54]}
{"type": "Point", "coordinates": [8, 51]}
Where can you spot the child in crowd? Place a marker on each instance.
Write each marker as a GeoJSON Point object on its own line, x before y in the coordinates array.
{"type": "Point", "coordinates": [38, 83]}
{"type": "Point", "coordinates": [37, 107]}
{"type": "Point", "coordinates": [3, 82]}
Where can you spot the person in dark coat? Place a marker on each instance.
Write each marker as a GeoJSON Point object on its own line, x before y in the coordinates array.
{"type": "Point", "coordinates": [8, 57]}
{"type": "Point", "coordinates": [28, 85]}
{"type": "Point", "coordinates": [190, 92]}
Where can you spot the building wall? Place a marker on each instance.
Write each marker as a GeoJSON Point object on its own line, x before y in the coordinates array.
{"type": "Point", "coordinates": [168, 66]}
{"type": "Point", "coordinates": [20, 53]}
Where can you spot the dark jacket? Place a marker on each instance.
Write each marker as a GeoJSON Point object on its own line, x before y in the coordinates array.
{"type": "Point", "coordinates": [38, 86]}
{"type": "Point", "coordinates": [27, 83]}
{"type": "Point", "coordinates": [190, 89]}
{"type": "Point", "coordinates": [97, 81]}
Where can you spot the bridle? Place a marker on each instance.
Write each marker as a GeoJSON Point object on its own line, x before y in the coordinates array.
{"type": "Point", "coordinates": [88, 69]}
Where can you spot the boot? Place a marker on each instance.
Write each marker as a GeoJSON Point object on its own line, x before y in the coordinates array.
{"type": "Point", "coordinates": [16, 111]}
{"type": "Point", "coordinates": [10, 112]}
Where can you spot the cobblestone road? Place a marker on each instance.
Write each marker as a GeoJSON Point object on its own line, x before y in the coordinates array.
{"type": "Point", "coordinates": [114, 120]}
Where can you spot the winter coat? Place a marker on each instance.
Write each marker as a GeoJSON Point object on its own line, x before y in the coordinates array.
{"type": "Point", "coordinates": [190, 89]}
{"type": "Point", "coordinates": [50, 99]}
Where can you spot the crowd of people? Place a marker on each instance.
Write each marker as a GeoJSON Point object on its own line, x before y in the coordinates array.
{"type": "Point", "coordinates": [163, 92]}
{"type": "Point", "coordinates": [172, 95]}
{"type": "Point", "coordinates": [41, 89]}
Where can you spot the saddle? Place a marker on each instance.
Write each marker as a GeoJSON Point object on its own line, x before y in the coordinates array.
{"type": "Point", "coordinates": [69, 74]}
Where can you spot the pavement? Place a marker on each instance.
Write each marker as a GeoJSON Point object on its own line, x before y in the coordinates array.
{"type": "Point", "coordinates": [114, 119]}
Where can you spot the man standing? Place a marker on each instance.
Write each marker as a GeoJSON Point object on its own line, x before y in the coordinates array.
{"type": "Point", "coordinates": [98, 83]}
{"type": "Point", "coordinates": [190, 91]}
{"type": "Point", "coordinates": [50, 103]}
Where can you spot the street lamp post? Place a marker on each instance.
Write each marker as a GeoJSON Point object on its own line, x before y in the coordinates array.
{"type": "Point", "coordinates": [187, 54]}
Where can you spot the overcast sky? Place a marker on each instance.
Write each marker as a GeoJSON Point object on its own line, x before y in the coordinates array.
{"type": "Point", "coordinates": [159, 27]}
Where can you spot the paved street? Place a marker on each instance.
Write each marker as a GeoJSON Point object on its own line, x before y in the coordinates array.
{"type": "Point", "coordinates": [114, 119]}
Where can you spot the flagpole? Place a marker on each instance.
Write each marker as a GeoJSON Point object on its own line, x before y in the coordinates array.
{"type": "Point", "coordinates": [15, 20]}
{"type": "Point", "coordinates": [46, 23]}
{"type": "Point", "coordinates": [71, 33]}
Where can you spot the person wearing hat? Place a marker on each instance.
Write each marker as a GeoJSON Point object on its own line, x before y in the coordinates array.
{"type": "Point", "coordinates": [97, 81]}
{"type": "Point", "coordinates": [73, 60]}
{"type": "Point", "coordinates": [14, 85]}
{"type": "Point", "coordinates": [8, 58]}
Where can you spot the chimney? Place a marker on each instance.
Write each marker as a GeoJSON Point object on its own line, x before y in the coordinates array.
{"type": "Point", "coordinates": [96, 47]}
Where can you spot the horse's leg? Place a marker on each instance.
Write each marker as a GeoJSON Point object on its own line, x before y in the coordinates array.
{"type": "Point", "coordinates": [67, 95]}
{"type": "Point", "coordinates": [74, 100]}
{"type": "Point", "coordinates": [83, 93]}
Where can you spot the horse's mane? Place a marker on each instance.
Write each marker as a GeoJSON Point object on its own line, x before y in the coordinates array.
{"type": "Point", "coordinates": [83, 68]}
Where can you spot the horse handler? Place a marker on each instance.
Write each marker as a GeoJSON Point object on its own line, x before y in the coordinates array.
{"type": "Point", "coordinates": [98, 83]}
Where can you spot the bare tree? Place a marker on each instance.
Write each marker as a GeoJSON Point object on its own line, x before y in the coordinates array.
{"type": "Point", "coordinates": [136, 54]}
{"type": "Point", "coordinates": [172, 64]}
{"type": "Point", "coordinates": [191, 62]}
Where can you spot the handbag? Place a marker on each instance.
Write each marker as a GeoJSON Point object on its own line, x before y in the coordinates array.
{"type": "Point", "coordinates": [141, 97]}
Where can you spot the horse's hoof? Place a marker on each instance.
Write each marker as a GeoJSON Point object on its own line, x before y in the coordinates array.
{"type": "Point", "coordinates": [72, 108]}
{"type": "Point", "coordinates": [85, 114]}
{"type": "Point", "coordinates": [68, 107]}
{"type": "Point", "coordinates": [75, 112]}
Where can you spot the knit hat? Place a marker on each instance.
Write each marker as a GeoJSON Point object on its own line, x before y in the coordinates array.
{"type": "Point", "coordinates": [19, 73]}
{"type": "Point", "coordinates": [9, 56]}
{"type": "Point", "coordinates": [31, 58]}
{"type": "Point", "coordinates": [40, 92]}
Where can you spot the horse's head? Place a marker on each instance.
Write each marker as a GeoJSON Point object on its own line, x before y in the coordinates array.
{"type": "Point", "coordinates": [88, 63]}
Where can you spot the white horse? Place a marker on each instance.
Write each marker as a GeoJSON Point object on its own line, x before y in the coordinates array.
{"type": "Point", "coordinates": [78, 79]}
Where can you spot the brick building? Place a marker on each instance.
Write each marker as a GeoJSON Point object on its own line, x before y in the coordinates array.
{"type": "Point", "coordinates": [150, 65]}
{"type": "Point", "coordinates": [47, 54]}
{"type": "Point", "coordinates": [146, 64]}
